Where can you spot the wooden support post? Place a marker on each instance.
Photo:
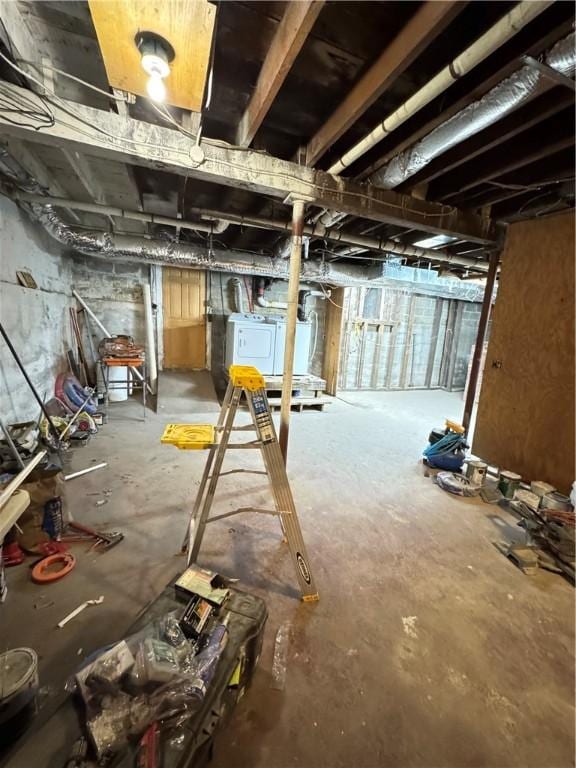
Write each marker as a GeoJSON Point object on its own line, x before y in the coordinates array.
{"type": "Point", "coordinates": [333, 340]}
{"type": "Point", "coordinates": [482, 325]}
{"type": "Point", "coordinates": [291, 317]}
{"type": "Point", "coordinates": [434, 341]}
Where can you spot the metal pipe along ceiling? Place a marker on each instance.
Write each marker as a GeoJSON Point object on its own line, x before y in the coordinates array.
{"type": "Point", "coordinates": [504, 98]}
{"type": "Point", "coordinates": [125, 247]}
{"type": "Point", "coordinates": [380, 245]}
{"type": "Point", "coordinates": [521, 15]}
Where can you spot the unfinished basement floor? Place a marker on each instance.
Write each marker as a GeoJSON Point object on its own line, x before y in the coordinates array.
{"type": "Point", "coordinates": [427, 648]}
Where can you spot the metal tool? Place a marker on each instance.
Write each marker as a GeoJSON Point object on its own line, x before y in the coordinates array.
{"type": "Point", "coordinates": [102, 540]}
{"type": "Point", "coordinates": [250, 382]}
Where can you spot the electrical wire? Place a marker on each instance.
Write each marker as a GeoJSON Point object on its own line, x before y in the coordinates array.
{"type": "Point", "coordinates": [214, 142]}
{"type": "Point", "coordinates": [327, 295]}
{"type": "Point", "coordinates": [73, 77]}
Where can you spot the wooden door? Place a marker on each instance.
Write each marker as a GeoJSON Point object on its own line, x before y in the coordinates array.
{"type": "Point", "coordinates": [183, 293]}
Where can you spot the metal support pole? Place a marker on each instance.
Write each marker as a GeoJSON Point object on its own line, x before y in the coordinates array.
{"type": "Point", "coordinates": [482, 325]}
{"type": "Point", "coordinates": [291, 316]}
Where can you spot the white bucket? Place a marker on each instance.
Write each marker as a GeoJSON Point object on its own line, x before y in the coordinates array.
{"type": "Point", "coordinates": [117, 392]}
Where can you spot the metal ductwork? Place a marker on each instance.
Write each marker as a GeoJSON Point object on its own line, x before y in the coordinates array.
{"type": "Point", "coordinates": [379, 245]}
{"type": "Point", "coordinates": [503, 99]}
{"type": "Point", "coordinates": [127, 248]}
{"type": "Point", "coordinates": [511, 23]}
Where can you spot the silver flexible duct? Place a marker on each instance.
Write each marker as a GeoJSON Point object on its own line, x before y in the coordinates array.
{"type": "Point", "coordinates": [127, 248]}
{"type": "Point", "coordinates": [139, 249]}
{"type": "Point", "coordinates": [503, 99]}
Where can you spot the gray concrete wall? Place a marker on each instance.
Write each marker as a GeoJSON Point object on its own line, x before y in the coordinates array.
{"type": "Point", "coordinates": [221, 304]}
{"type": "Point", "coordinates": [36, 320]}
{"type": "Point", "coordinates": [113, 291]}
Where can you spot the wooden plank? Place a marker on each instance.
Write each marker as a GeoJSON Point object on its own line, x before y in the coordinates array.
{"type": "Point", "coordinates": [525, 419]}
{"type": "Point", "coordinates": [332, 339]}
{"type": "Point", "coordinates": [434, 341]}
{"type": "Point", "coordinates": [106, 134]}
{"type": "Point", "coordinates": [508, 158]}
{"type": "Point", "coordinates": [301, 402]}
{"type": "Point", "coordinates": [407, 342]}
{"type": "Point", "coordinates": [423, 27]}
{"type": "Point", "coordinates": [188, 25]}
{"type": "Point", "coordinates": [298, 19]}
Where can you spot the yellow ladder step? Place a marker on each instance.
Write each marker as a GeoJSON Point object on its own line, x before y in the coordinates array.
{"type": "Point", "coordinates": [189, 437]}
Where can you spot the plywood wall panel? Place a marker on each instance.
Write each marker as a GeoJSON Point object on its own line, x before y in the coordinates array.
{"type": "Point", "coordinates": [526, 417]}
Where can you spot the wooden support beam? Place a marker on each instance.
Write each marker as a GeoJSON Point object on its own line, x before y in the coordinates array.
{"type": "Point", "coordinates": [291, 34]}
{"type": "Point", "coordinates": [126, 140]}
{"type": "Point", "coordinates": [423, 27]}
{"type": "Point", "coordinates": [482, 325]}
{"type": "Point", "coordinates": [333, 339]}
{"type": "Point", "coordinates": [291, 318]}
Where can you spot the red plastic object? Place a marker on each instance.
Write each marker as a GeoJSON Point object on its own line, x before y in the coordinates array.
{"type": "Point", "coordinates": [12, 554]}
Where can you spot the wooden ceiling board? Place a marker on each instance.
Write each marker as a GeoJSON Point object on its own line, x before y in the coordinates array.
{"type": "Point", "coordinates": [188, 25]}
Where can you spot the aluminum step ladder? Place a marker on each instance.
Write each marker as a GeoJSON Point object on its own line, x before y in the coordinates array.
{"type": "Point", "coordinates": [247, 380]}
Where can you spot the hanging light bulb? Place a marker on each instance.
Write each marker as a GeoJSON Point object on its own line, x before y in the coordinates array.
{"type": "Point", "coordinates": [156, 88]}
{"type": "Point", "coordinates": [156, 54]}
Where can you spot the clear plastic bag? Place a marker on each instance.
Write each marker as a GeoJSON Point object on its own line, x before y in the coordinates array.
{"type": "Point", "coordinates": [150, 676]}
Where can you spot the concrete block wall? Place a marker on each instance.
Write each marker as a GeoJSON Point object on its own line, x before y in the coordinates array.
{"type": "Point", "coordinates": [221, 304]}
{"type": "Point", "coordinates": [36, 320]}
{"type": "Point", "coordinates": [113, 291]}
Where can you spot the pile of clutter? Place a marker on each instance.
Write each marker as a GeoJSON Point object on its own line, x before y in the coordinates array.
{"type": "Point", "coordinates": [547, 516]}
{"type": "Point", "coordinates": [159, 676]}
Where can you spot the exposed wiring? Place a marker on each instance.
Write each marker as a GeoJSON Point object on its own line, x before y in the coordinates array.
{"type": "Point", "coordinates": [327, 295]}
{"type": "Point", "coordinates": [72, 77]}
{"type": "Point", "coordinates": [166, 115]}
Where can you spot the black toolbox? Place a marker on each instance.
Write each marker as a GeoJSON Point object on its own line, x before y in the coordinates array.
{"type": "Point", "coordinates": [49, 742]}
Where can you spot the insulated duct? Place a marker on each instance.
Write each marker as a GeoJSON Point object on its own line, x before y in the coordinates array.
{"type": "Point", "coordinates": [503, 99]}
{"type": "Point", "coordinates": [127, 248]}
{"type": "Point", "coordinates": [380, 245]}
{"type": "Point", "coordinates": [511, 23]}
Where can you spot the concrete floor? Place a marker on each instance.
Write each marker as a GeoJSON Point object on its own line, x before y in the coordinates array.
{"type": "Point", "coordinates": [427, 648]}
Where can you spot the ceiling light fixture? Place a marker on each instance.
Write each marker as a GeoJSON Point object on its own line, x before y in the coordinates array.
{"type": "Point", "coordinates": [156, 54]}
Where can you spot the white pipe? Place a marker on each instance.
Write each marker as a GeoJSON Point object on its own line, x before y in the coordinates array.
{"type": "Point", "coordinates": [262, 302]}
{"type": "Point", "coordinates": [108, 335]}
{"type": "Point", "coordinates": [17, 481]}
{"type": "Point", "coordinates": [521, 15]}
{"type": "Point", "coordinates": [85, 471]}
{"type": "Point", "coordinates": [238, 295]}
{"type": "Point", "coordinates": [522, 86]}
{"type": "Point", "coordinates": [150, 345]}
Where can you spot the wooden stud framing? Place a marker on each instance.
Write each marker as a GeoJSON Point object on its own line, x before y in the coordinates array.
{"type": "Point", "coordinates": [333, 338]}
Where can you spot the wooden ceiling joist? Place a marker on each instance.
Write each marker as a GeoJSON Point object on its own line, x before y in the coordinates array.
{"type": "Point", "coordinates": [505, 164]}
{"type": "Point", "coordinates": [291, 34]}
{"type": "Point", "coordinates": [423, 27]}
{"type": "Point", "coordinates": [423, 129]}
{"type": "Point", "coordinates": [108, 135]}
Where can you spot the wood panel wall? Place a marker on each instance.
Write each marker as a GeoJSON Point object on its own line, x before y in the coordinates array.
{"type": "Point", "coordinates": [525, 419]}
